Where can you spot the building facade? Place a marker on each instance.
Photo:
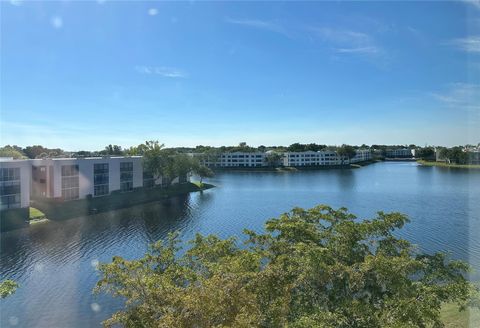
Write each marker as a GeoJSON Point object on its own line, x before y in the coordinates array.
{"type": "Point", "coordinates": [313, 158]}
{"type": "Point", "coordinates": [77, 178]}
{"type": "Point", "coordinates": [235, 159]}
{"type": "Point", "coordinates": [399, 153]}
{"type": "Point", "coordinates": [362, 155]}
{"type": "Point", "coordinates": [70, 178]}
{"type": "Point", "coordinates": [14, 184]}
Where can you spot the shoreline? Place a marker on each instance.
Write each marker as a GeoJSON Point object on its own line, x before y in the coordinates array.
{"type": "Point", "coordinates": [282, 169]}
{"type": "Point", "coordinates": [57, 210]}
{"type": "Point", "coordinates": [446, 165]}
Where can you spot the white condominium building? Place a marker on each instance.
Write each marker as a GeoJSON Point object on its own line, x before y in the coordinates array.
{"type": "Point", "coordinates": [399, 153]}
{"type": "Point", "coordinates": [313, 158]}
{"type": "Point", "coordinates": [14, 184]}
{"type": "Point", "coordinates": [237, 159]}
{"type": "Point", "coordinates": [76, 178]}
{"type": "Point", "coordinates": [71, 178]}
{"type": "Point", "coordinates": [362, 155]}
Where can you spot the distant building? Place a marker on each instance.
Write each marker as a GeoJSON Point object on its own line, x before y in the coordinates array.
{"type": "Point", "coordinates": [362, 155]}
{"type": "Point", "coordinates": [399, 153]}
{"type": "Point", "coordinates": [235, 159]}
{"type": "Point", "coordinates": [313, 158]}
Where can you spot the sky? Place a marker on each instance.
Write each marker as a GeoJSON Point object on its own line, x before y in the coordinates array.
{"type": "Point", "coordinates": [80, 75]}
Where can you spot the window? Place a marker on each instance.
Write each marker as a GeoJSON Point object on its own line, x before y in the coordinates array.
{"type": "Point", "coordinates": [126, 176]}
{"type": "Point", "coordinates": [10, 189]}
{"type": "Point", "coordinates": [100, 179]}
{"type": "Point", "coordinates": [70, 182]}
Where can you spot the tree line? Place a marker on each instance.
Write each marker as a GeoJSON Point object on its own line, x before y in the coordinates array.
{"type": "Point", "coordinates": [457, 155]}
{"type": "Point", "coordinates": [38, 151]}
{"type": "Point", "coordinates": [168, 163]}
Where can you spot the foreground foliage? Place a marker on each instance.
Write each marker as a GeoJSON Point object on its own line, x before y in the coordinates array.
{"type": "Point", "coordinates": [7, 287]}
{"type": "Point", "coordinates": [312, 268]}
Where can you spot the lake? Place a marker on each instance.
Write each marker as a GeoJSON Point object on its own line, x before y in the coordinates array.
{"type": "Point", "coordinates": [54, 262]}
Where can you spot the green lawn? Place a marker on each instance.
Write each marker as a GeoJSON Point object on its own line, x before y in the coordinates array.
{"type": "Point", "coordinates": [452, 318]}
{"type": "Point", "coordinates": [35, 214]}
{"type": "Point", "coordinates": [443, 164]}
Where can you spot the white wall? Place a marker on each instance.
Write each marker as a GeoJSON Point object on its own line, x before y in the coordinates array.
{"type": "Point", "coordinates": [25, 178]}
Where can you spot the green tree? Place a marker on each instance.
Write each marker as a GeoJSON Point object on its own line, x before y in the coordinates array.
{"type": "Point", "coordinates": [202, 171]}
{"type": "Point", "coordinates": [346, 151]}
{"type": "Point", "coordinates": [34, 151]}
{"type": "Point", "coordinates": [155, 158]}
{"type": "Point", "coordinates": [273, 158]}
{"type": "Point", "coordinates": [112, 150]}
{"type": "Point", "coordinates": [9, 151]}
{"type": "Point", "coordinates": [311, 268]}
{"type": "Point", "coordinates": [136, 150]}
{"type": "Point", "coordinates": [425, 153]}
{"type": "Point", "coordinates": [7, 287]}
{"type": "Point", "coordinates": [182, 165]}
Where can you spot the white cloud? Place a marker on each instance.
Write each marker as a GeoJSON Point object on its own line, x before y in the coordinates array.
{"type": "Point", "coordinates": [469, 44]}
{"type": "Point", "coordinates": [260, 24]}
{"type": "Point", "coordinates": [161, 70]}
{"type": "Point", "coordinates": [460, 96]}
{"type": "Point", "coordinates": [358, 50]}
{"type": "Point", "coordinates": [16, 2]}
{"type": "Point", "coordinates": [153, 11]}
{"type": "Point", "coordinates": [348, 42]}
{"type": "Point", "coordinates": [56, 22]}
{"type": "Point", "coordinates": [475, 3]}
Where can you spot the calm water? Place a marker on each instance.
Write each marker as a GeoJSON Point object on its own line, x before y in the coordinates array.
{"type": "Point", "coordinates": [54, 263]}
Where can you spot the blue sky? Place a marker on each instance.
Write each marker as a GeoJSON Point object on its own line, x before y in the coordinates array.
{"type": "Point", "coordinates": [80, 75]}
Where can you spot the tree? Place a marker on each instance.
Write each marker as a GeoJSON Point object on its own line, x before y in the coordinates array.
{"type": "Point", "coordinates": [165, 163]}
{"type": "Point", "coordinates": [203, 172]}
{"type": "Point", "coordinates": [9, 151]}
{"type": "Point", "coordinates": [7, 287]}
{"type": "Point", "coordinates": [425, 153]}
{"type": "Point", "coordinates": [136, 150]}
{"type": "Point", "coordinates": [346, 151]}
{"type": "Point", "coordinates": [112, 150]}
{"type": "Point", "coordinates": [273, 158]}
{"type": "Point", "coordinates": [34, 151]}
{"type": "Point", "coordinates": [311, 268]}
{"type": "Point", "coordinates": [182, 165]}
{"type": "Point", "coordinates": [155, 158]}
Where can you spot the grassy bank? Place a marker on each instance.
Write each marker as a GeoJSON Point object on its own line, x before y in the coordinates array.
{"type": "Point", "coordinates": [35, 214]}
{"type": "Point", "coordinates": [56, 209]}
{"type": "Point", "coordinates": [449, 165]}
{"type": "Point", "coordinates": [452, 318]}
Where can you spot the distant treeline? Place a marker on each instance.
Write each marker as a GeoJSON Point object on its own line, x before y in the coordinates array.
{"type": "Point", "coordinates": [38, 151]}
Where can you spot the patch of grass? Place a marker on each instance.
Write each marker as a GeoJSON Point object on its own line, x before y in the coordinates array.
{"type": "Point", "coordinates": [36, 214]}
{"type": "Point", "coordinates": [202, 185]}
{"type": "Point", "coordinates": [443, 164]}
{"type": "Point", "coordinates": [452, 318]}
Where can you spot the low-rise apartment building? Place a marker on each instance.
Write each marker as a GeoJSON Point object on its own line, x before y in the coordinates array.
{"type": "Point", "coordinates": [362, 155]}
{"type": "Point", "coordinates": [71, 178]}
{"type": "Point", "coordinates": [14, 184]}
{"type": "Point", "coordinates": [399, 153]}
{"type": "Point", "coordinates": [235, 159]}
{"type": "Point", "coordinates": [76, 178]}
{"type": "Point", "coordinates": [313, 158]}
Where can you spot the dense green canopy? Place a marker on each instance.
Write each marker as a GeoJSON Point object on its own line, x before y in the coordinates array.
{"type": "Point", "coordinates": [311, 268]}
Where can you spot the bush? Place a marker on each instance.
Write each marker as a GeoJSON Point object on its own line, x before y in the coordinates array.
{"type": "Point", "coordinates": [312, 268]}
